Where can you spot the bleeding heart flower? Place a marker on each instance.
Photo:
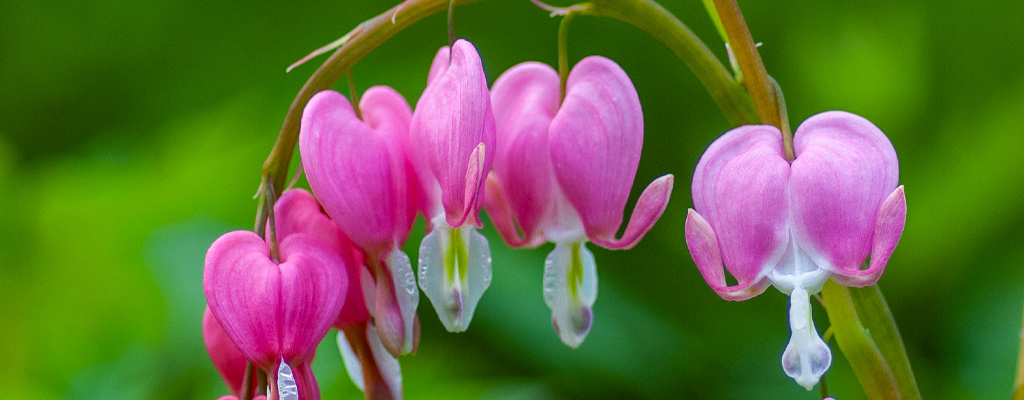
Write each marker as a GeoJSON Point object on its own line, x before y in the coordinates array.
{"type": "Point", "coordinates": [453, 132]}
{"type": "Point", "coordinates": [275, 312]}
{"type": "Point", "coordinates": [230, 363]}
{"type": "Point", "coordinates": [371, 367]}
{"type": "Point", "coordinates": [563, 174]}
{"type": "Point", "coordinates": [796, 225]}
{"type": "Point", "coordinates": [360, 172]}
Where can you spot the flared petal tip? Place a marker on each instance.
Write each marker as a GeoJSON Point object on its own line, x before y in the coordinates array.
{"type": "Point", "coordinates": [892, 217]}
{"type": "Point", "coordinates": [703, 246]}
{"type": "Point", "coordinates": [652, 203]}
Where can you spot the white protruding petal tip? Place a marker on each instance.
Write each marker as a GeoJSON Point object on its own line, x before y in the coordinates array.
{"type": "Point", "coordinates": [570, 288]}
{"type": "Point", "coordinates": [406, 293]}
{"type": "Point", "coordinates": [807, 357]}
{"type": "Point", "coordinates": [352, 365]}
{"type": "Point", "coordinates": [454, 272]}
{"type": "Point", "coordinates": [286, 387]}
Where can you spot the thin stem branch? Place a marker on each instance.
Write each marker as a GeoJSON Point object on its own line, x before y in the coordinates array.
{"type": "Point", "coordinates": [787, 134]}
{"type": "Point", "coordinates": [451, 25]}
{"type": "Point", "coordinates": [1019, 382]}
{"type": "Point", "coordinates": [754, 75]}
{"type": "Point", "coordinates": [730, 96]}
{"type": "Point", "coordinates": [246, 393]}
{"type": "Point", "coordinates": [353, 95]}
{"type": "Point", "coordinates": [270, 196]}
{"type": "Point", "coordinates": [563, 53]}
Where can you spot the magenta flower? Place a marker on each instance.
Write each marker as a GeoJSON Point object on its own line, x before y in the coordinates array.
{"type": "Point", "coordinates": [563, 174]}
{"type": "Point", "coordinates": [275, 312]}
{"type": "Point", "coordinates": [453, 132]}
{"type": "Point", "coordinates": [360, 172]}
{"type": "Point", "coordinates": [361, 348]}
{"type": "Point", "coordinates": [296, 211]}
{"type": "Point", "coordinates": [797, 225]}
{"type": "Point", "coordinates": [229, 362]}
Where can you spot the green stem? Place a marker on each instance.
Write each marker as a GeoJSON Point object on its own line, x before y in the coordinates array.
{"type": "Point", "coordinates": [1018, 393]}
{"type": "Point", "coordinates": [451, 25]}
{"type": "Point", "coordinates": [787, 134]}
{"type": "Point", "coordinates": [867, 335]}
{"type": "Point", "coordinates": [354, 96]}
{"type": "Point", "coordinates": [754, 75]}
{"type": "Point", "coordinates": [563, 53]}
{"type": "Point", "coordinates": [246, 393]}
{"type": "Point", "coordinates": [730, 96]}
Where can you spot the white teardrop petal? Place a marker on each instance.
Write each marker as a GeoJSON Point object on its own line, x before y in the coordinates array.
{"type": "Point", "coordinates": [454, 272]}
{"type": "Point", "coordinates": [570, 288]}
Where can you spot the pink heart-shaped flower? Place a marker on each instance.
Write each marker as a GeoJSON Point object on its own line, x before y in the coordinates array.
{"type": "Point", "coordinates": [274, 311]}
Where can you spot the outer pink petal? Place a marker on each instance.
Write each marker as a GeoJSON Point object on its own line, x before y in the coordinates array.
{"type": "Point", "coordinates": [500, 211]}
{"type": "Point", "coordinates": [312, 294]}
{"type": "Point", "coordinates": [649, 207]}
{"type": "Point", "coordinates": [596, 139]}
{"type": "Point", "coordinates": [230, 363]}
{"type": "Point", "coordinates": [298, 212]}
{"type": "Point", "coordinates": [306, 382]}
{"type": "Point", "coordinates": [740, 188]}
{"type": "Point", "coordinates": [387, 112]}
{"type": "Point", "coordinates": [525, 99]}
{"type": "Point", "coordinates": [844, 169]}
{"type": "Point", "coordinates": [892, 216]}
{"type": "Point", "coordinates": [452, 118]}
{"type": "Point", "coordinates": [243, 288]}
{"type": "Point", "coordinates": [349, 169]}
{"type": "Point", "coordinates": [703, 246]}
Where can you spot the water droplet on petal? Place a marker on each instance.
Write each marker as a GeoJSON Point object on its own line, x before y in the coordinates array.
{"type": "Point", "coordinates": [286, 387]}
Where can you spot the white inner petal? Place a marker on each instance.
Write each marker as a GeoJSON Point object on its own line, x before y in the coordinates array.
{"type": "Point", "coordinates": [386, 363]}
{"type": "Point", "coordinates": [454, 272]}
{"type": "Point", "coordinates": [286, 387]}
{"type": "Point", "coordinates": [352, 364]}
{"type": "Point", "coordinates": [570, 288]}
{"type": "Point", "coordinates": [406, 293]}
{"type": "Point", "coordinates": [807, 357]}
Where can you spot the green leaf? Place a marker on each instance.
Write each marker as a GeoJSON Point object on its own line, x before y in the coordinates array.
{"type": "Point", "coordinates": [867, 336]}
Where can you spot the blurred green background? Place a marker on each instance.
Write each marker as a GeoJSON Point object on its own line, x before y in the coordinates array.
{"type": "Point", "coordinates": [132, 135]}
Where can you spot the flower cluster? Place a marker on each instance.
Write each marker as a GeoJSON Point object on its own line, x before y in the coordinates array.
{"type": "Point", "coordinates": [546, 170]}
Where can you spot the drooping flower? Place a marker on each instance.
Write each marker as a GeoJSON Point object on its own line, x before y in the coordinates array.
{"type": "Point", "coordinates": [361, 174]}
{"type": "Point", "coordinates": [229, 362]}
{"type": "Point", "coordinates": [796, 225]}
{"type": "Point", "coordinates": [372, 368]}
{"type": "Point", "coordinates": [563, 174]}
{"type": "Point", "coordinates": [275, 311]}
{"type": "Point", "coordinates": [453, 132]}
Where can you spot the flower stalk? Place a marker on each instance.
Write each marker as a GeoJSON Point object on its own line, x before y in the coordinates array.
{"type": "Point", "coordinates": [867, 335]}
{"type": "Point", "coordinates": [1018, 384]}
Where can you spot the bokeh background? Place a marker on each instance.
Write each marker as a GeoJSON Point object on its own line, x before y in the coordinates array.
{"type": "Point", "coordinates": [132, 135]}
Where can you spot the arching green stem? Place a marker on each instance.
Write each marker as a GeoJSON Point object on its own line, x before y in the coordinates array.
{"type": "Point", "coordinates": [730, 96]}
